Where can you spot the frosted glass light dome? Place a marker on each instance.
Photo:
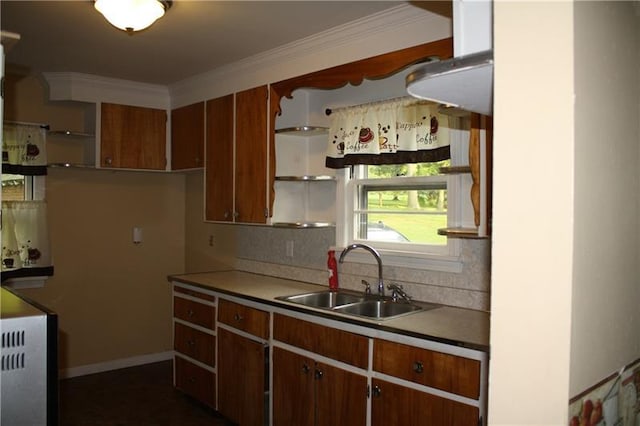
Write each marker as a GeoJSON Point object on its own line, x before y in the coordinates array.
{"type": "Point", "coordinates": [131, 15]}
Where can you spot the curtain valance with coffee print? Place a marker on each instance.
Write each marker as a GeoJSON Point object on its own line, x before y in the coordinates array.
{"type": "Point", "coordinates": [389, 132]}
{"type": "Point", "coordinates": [24, 150]}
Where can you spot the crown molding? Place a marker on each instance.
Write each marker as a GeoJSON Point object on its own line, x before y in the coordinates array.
{"type": "Point", "coordinates": [379, 33]}
{"type": "Point", "coordinates": [72, 86]}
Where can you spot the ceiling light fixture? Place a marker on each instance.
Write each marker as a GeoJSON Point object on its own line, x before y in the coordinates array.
{"type": "Point", "coordinates": [132, 15]}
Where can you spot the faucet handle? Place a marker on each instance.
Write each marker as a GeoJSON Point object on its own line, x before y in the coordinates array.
{"type": "Point", "coordinates": [398, 291]}
{"type": "Point", "coordinates": [367, 289]}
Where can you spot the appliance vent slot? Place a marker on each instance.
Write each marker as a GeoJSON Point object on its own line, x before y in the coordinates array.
{"type": "Point", "coordinates": [12, 361]}
{"type": "Point", "coordinates": [13, 339]}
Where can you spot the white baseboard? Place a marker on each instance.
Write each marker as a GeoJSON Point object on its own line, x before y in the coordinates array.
{"type": "Point", "coordinates": [114, 364]}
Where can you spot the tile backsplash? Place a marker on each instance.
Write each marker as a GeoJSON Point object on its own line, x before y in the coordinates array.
{"type": "Point", "coordinates": [264, 250]}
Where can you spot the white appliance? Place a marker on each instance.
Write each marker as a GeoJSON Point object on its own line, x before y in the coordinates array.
{"type": "Point", "coordinates": [28, 362]}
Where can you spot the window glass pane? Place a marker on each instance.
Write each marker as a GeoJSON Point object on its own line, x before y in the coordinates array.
{"type": "Point", "coordinates": [402, 215]}
{"type": "Point", "coordinates": [13, 187]}
{"type": "Point", "coordinates": [393, 170]}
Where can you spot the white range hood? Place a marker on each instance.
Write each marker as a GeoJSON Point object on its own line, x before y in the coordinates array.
{"type": "Point", "coordinates": [466, 80]}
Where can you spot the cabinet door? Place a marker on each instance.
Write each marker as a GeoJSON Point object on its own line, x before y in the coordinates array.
{"type": "Point", "coordinates": [293, 389]}
{"type": "Point", "coordinates": [187, 137]}
{"type": "Point", "coordinates": [396, 405]}
{"type": "Point", "coordinates": [219, 160]}
{"type": "Point", "coordinates": [341, 397]}
{"type": "Point", "coordinates": [241, 379]}
{"type": "Point", "coordinates": [133, 137]}
{"type": "Point", "coordinates": [251, 155]}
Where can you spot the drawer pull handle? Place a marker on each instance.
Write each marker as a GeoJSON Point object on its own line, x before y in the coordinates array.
{"type": "Point", "coordinates": [190, 313]}
{"type": "Point", "coordinates": [377, 392]}
{"type": "Point", "coordinates": [191, 343]}
{"type": "Point", "coordinates": [418, 367]}
{"type": "Point", "coordinates": [238, 317]}
{"type": "Point", "coordinates": [192, 379]}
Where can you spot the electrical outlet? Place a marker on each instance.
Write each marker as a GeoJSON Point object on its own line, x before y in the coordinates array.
{"type": "Point", "coordinates": [289, 248]}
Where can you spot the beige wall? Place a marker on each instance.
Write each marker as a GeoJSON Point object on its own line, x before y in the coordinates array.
{"type": "Point", "coordinates": [605, 326]}
{"type": "Point", "coordinates": [209, 246]}
{"type": "Point", "coordinates": [112, 297]}
{"type": "Point", "coordinates": [532, 213]}
{"type": "Point", "coordinates": [565, 303]}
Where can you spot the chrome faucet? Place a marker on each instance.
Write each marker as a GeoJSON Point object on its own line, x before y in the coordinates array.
{"type": "Point", "coordinates": [375, 254]}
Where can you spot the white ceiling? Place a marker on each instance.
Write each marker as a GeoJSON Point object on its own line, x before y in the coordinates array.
{"type": "Point", "coordinates": [192, 38]}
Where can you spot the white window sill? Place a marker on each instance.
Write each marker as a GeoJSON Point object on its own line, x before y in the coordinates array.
{"type": "Point", "coordinates": [451, 264]}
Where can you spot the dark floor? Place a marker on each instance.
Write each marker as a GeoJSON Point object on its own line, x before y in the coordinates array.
{"type": "Point", "coordinates": [136, 396]}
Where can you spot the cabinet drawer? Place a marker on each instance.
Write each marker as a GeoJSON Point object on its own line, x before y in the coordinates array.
{"type": "Point", "coordinates": [194, 343]}
{"type": "Point", "coordinates": [393, 404]}
{"type": "Point", "coordinates": [450, 373]}
{"type": "Point", "coordinates": [330, 342]}
{"type": "Point", "coordinates": [194, 312]}
{"type": "Point", "coordinates": [195, 381]}
{"type": "Point", "coordinates": [194, 293]}
{"type": "Point", "coordinates": [253, 321]}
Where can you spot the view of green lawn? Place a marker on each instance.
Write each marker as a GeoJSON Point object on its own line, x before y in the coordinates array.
{"type": "Point", "coordinates": [415, 227]}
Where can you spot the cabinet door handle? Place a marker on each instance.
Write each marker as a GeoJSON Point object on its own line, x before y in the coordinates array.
{"type": "Point", "coordinates": [226, 215]}
{"type": "Point", "coordinates": [418, 367]}
{"type": "Point", "coordinates": [191, 343]}
{"type": "Point", "coordinates": [319, 374]}
{"type": "Point", "coordinates": [377, 392]}
{"type": "Point", "coordinates": [238, 317]}
{"type": "Point", "coordinates": [305, 368]}
{"type": "Point", "coordinates": [108, 161]}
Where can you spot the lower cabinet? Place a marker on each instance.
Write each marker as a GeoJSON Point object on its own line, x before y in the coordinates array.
{"type": "Point", "coordinates": [308, 392]}
{"type": "Point", "coordinates": [242, 365]}
{"type": "Point", "coordinates": [396, 405]}
{"type": "Point", "coordinates": [194, 342]}
{"type": "Point", "coordinates": [241, 379]}
{"type": "Point", "coordinates": [322, 372]}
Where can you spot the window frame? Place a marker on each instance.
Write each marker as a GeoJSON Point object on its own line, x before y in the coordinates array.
{"type": "Point", "coordinates": [446, 259]}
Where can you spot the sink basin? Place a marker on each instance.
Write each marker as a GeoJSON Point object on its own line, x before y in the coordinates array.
{"type": "Point", "coordinates": [378, 309]}
{"type": "Point", "coordinates": [324, 299]}
{"type": "Point", "coordinates": [355, 304]}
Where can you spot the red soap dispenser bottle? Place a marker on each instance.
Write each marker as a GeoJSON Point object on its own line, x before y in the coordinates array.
{"type": "Point", "coordinates": [332, 265]}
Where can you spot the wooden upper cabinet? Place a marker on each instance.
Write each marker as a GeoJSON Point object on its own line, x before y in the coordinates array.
{"type": "Point", "coordinates": [187, 137]}
{"type": "Point", "coordinates": [219, 160]}
{"type": "Point", "coordinates": [133, 137]}
{"type": "Point", "coordinates": [236, 191]}
{"type": "Point", "coordinates": [251, 155]}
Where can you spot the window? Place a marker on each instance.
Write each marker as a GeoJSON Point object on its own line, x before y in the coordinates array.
{"type": "Point", "coordinates": [398, 209]}
{"type": "Point", "coordinates": [402, 204]}
{"type": "Point", "coordinates": [392, 194]}
{"type": "Point", "coordinates": [22, 188]}
{"type": "Point", "coordinates": [26, 253]}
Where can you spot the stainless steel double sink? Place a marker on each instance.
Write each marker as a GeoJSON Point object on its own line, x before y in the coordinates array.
{"type": "Point", "coordinates": [351, 303]}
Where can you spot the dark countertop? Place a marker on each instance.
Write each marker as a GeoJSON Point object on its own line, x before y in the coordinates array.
{"type": "Point", "coordinates": [456, 326]}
